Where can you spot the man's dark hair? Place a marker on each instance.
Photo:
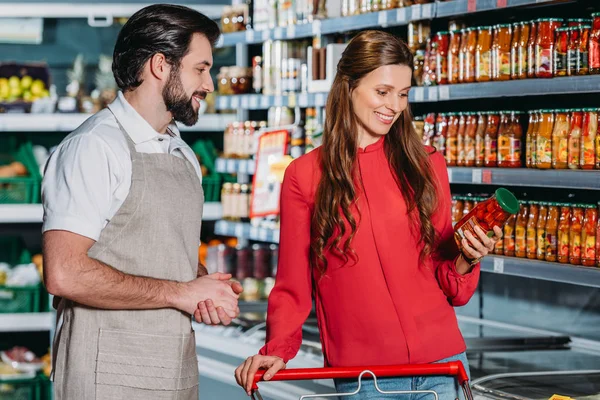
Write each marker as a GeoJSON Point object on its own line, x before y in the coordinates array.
{"type": "Point", "coordinates": [159, 28]}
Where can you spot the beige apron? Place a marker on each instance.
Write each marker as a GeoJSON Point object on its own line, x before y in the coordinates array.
{"type": "Point", "coordinates": [138, 354]}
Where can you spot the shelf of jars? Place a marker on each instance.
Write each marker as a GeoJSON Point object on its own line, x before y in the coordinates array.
{"type": "Point", "coordinates": [375, 19]}
{"type": "Point", "coordinates": [263, 102]}
{"type": "Point", "coordinates": [69, 122]}
{"type": "Point", "coordinates": [246, 231]}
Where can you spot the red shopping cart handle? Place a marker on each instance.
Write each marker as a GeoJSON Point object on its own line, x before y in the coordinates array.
{"type": "Point", "coordinates": [453, 368]}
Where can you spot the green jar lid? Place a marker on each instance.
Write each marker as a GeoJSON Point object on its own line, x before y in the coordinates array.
{"type": "Point", "coordinates": [564, 29]}
{"type": "Point", "coordinates": [456, 31]}
{"type": "Point", "coordinates": [484, 28]}
{"type": "Point", "coordinates": [507, 201]}
{"type": "Point", "coordinates": [596, 15]}
{"type": "Point", "coordinates": [561, 110]}
{"type": "Point", "coordinates": [546, 111]}
{"type": "Point", "coordinates": [504, 26]}
{"type": "Point", "coordinates": [533, 202]}
{"type": "Point", "coordinates": [440, 33]}
{"type": "Point", "coordinates": [577, 110]}
{"type": "Point", "coordinates": [589, 109]}
{"type": "Point", "coordinates": [569, 20]}
{"type": "Point", "coordinates": [583, 27]}
{"type": "Point", "coordinates": [549, 20]}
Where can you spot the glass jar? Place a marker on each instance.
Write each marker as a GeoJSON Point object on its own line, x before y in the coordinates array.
{"type": "Point", "coordinates": [492, 212]}
{"type": "Point", "coordinates": [508, 247]}
{"type": "Point", "coordinates": [460, 143]}
{"type": "Point", "coordinates": [531, 55]}
{"type": "Point", "coordinates": [484, 54]}
{"type": "Point", "coordinates": [469, 142]}
{"type": "Point", "coordinates": [491, 140]}
{"type": "Point", "coordinates": [561, 51]}
{"type": "Point", "coordinates": [588, 236]}
{"type": "Point", "coordinates": [544, 46]}
{"type": "Point", "coordinates": [429, 70]}
{"type": "Point", "coordinates": [457, 208]}
{"type": "Point", "coordinates": [521, 231]}
{"type": "Point", "coordinates": [452, 140]}
{"type": "Point", "coordinates": [241, 80]}
{"type": "Point", "coordinates": [594, 46]}
{"type": "Point", "coordinates": [564, 225]}
{"type": "Point", "coordinates": [419, 67]}
{"type": "Point", "coordinates": [531, 128]}
{"type": "Point", "coordinates": [469, 204]}
{"type": "Point", "coordinates": [540, 230]}
{"type": "Point", "coordinates": [454, 57]}
{"type": "Point", "coordinates": [462, 54]}
{"type": "Point", "coordinates": [226, 23]}
{"type": "Point", "coordinates": [551, 233]}
{"type": "Point", "coordinates": [522, 52]}
{"type": "Point", "coordinates": [418, 32]}
{"type": "Point", "coordinates": [471, 56]}
{"type": "Point", "coordinates": [575, 138]}
{"type": "Point", "coordinates": [544, 140]}
{"type": "Point", "coordinates": [572, 50]}
{"type": "Point", "coordinates": [576, 230]}
{"type": "Point", "coordinates": [429, 129]}
{"type": "Point", "coordinates": [587, 154]}
{"type": "Point", "coordinates": [482, 118]}
{"type": "Point", "coordinates": [509, 140]}
{"type": "Point", "coordinates": [560, 139]}
{"type": "Point", "coordinates": [534, 212]}
{"type": "Point", "coordinates": [441, 63]}
{"type": "Point", "coordinates": [583, 66]}
{"type": "Point", "coordinates": [501, 67]}
{"type": "Point", "coordinates": [224, 81]}
{"type": "Point", "coordinates": [441, 130]}
{"type": "Point", "coordinates": [514, 50]}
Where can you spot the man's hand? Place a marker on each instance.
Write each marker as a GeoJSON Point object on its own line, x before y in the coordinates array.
{"type": "Point", "coordinates": [214, 287]}
{"type": "Point", "coordinates": [208, 314]}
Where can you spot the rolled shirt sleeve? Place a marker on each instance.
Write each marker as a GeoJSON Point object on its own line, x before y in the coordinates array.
{"type": "Point", "coordinates": [77, 190]}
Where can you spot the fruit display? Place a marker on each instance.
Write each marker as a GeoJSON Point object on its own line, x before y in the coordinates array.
{"type": "Point", "coordinates": [25, 88]}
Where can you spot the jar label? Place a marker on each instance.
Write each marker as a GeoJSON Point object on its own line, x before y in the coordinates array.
{"type": "Point", "coordinates": [594, 56]}
{"type": "Point", "coordinates": [551, 243]}
{"type": "Point", "coordinates": [562, 154]}
{"type": "Point", "coordinates": [452, 149]}
{"type": "Point", "coordinates": [469, 148]}
{"type": "Point", "coordinates": [582, 61]}
{"type": "Point", "coordinates": [588, 151]}
{"type": "Point", "coordinates": [544, 60]}
{"type": "Point", "coordinates": [480, 148]}
{"type": "Point", "coordinates": [572, 60]}
{"type": "Point", "coordinates": [590, 247]}
{"type": "Point", "coordinates": [509, 149]}
{"type": "Point", "coordinates": [574, 149]}
{"type": "Point", "coordinates": [544, 150]}
{"type": "Point", "coordinates": [504, 62]}
{"type": "Point", "coordinates": [454, 65]}
{"type": "Point", "coordinates": [442, 69]}
{"type": "Point", "coordinates": [509, 239]}
{"type": "Point", "coordinates": [575, 245]}
{"type": "Point", "coordinates": [531, 240]}
{"type": "Point", "coordinates": [520, 238]}
{"type": "Point", "coordinates": [563, 240]}
{"type": "Point", "coordinates": [541, 242]}
{"type": "Point", "coordinates": [484, 64]}
{"type": "Point", "coordinates": [514, 62]}
{"type": "Point", "coordinates": [491, 149]}
{"type": "Point", "coordinates": [560, 62]}
{"type": "Point", "coordinates": [522, 61]}
{"type": "Point", "coordinates": [469, 226]}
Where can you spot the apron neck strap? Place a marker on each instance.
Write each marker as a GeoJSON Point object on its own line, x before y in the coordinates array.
{"type": "Point", "coordinates": [130, 142]}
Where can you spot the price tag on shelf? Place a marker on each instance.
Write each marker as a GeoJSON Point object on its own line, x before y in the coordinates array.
{"type": "Point", "coordinates": [231, 166]}
{"type": "Point", "coordinates": [486, 176]}
{"type": "Point", "coordinates": [401, 15]}
{"type": "Point", "coordinates": [444, 92]}
{"type": "Point", "coordinates": [239, 230]}
{"type": "Point", "coordinates": [276, 236]}
{"type": "Point", "coordinates": [253, 102]}
{"type": "Point", "coordinates": [278, 33]}
{"type": "Point", "coordinates": [243, 167]}
{"type": "Point", "coordinates": [253, 232]}
{"type": "Point", "coordinates": [235, 102]}
{"type": "Point", "coordinates": [450, 175]}
{"type": "Point", "coordinates": [498, 265]}
{"type": "Point", "coordinates": [319, 99]}
{"type": "Point", "coordinates": [415, 12]}
{"type": "Point", "coordinates": [427, 11]}
{"type": "Point", "coordinates": [476, 176]}
{"type": "Point", "coordinates": [303, 100]}
{"type": "Point", "coordinates": [472, 6]}
{"type": "Point", "coordinates": [245, 101]}
{"type": "Point", "coordinates": [501, 3]}
{"type": "Point", "coordinates": [266, 35]}
{"type": "Point", "coordinates": [264, 102]}
{"type": "Point", "coordinates": [316, 27]}
{"type": "Point", "coordinates": [249, 36]}
{"type": "Point", "coordinates": [419, 94]}
{"type": "Point", "coordinates": [291, 32]}
{"type": "Point", "coordinates": [432, 93]}
{"type": "Point", "coordinates": [222, 103]}
{"type": "Point", "coordinates": [382, 19]}
{"type": "Point", "coordinates": [251, 167]}
{"type": "Point", "coordinates": [221, 165]}
{"type": "Point", "coordinates": [292, 100]}
{"type": "Point", "coordinates": [278, 101]}
{"type": "Point", "coordinates": [262, 234]}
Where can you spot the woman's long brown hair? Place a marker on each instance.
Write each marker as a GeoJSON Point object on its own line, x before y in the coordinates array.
{"type": "Point", "coordinates": [337, 189]}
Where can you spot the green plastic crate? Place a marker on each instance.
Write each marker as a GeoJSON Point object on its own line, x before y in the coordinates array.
{"type": "Point", "coordinates": [46, 392]}
{"type": "Point", "coordinates": [13, 251]}
{"type": "Point", "coordinates": [25, 299]}
{"type": "Point", "coordinates": [23, 389]}
{"type": "Point", "coordinates": [212, 188]}
{"type": "Point", "coordinates": [19, 190]}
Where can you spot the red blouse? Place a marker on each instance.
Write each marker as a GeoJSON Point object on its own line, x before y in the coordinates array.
{"type": "Point", "coordinates": [385, 309]}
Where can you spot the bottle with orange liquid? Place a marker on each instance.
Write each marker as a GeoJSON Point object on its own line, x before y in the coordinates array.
{"type": "Point", "coordinates": [532, 229]}
{"type": "Point", "coordinates": [521, 231]}
{"type": "Point", "coordinates": [541, 232]}
{"type": "Point", "coordinates": [564, 226]}
{"type": "Point", "coordinates": [577, 215]}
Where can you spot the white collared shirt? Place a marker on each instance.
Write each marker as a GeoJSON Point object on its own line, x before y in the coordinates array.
{"type": "Point", "coordinates": [88, 177]}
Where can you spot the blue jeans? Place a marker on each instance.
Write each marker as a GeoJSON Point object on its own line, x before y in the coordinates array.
{"type": "Point", "coordinates": [446, 387]}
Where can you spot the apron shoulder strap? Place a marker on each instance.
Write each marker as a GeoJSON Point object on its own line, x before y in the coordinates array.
{"type": "Point", "coordinates": [130, 143]}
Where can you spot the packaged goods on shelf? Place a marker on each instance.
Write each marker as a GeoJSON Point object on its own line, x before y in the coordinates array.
{"type": "Point", "coordinates": [235, 18]}
{"type": "Point", "coordinates": [235, 199]}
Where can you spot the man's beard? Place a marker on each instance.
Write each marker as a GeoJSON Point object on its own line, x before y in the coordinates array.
{"type": "Point", "coordinates": [177, 102]}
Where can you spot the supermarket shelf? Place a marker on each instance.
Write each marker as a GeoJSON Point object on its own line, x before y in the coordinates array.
{"type": "Point", "coordinates": [33, 213]}
{"type": "Point", "coordinates": [234, 166]}
{"type": "Point", "coordinates": [69, 122]}
{"type": "Point", "coordinates": [246, 231]}
{"type": "Point", "coordinates": [26, 322]}
{"type": "Point", "coordinates": [105, 10]}
{"type": "Point", "coordinates": [547, 271]}
{"type": "Point", "coordinates": [460, 7]}
{"type": "Point", "coordinates": [262, 102]}
{"type": "Point", "coordinates": [526, 177]}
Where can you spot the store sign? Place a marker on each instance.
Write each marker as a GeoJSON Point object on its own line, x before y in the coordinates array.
{"type": "Point", "coordinates": [271, 163]}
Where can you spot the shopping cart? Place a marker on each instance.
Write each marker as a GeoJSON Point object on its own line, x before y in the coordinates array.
{"type": "Point", "coordinates": [454, 368]}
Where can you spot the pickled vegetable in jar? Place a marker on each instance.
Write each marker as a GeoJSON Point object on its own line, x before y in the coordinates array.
{"type": "Point", "coordinates": [514, 50]}
{"type": "Point", "coordinates": [531, 57]}
{"type": "Point", "coordinates": [441, 129]}
{"type": "Point", "coordinates": [594, 46]}
{"type": "Point", "coordinates": [572, 51]}
{"type": "Point", "coordinates": [588, 236]}
{"type": "Point", "coordinates": [561, 48]}
{"type": "Point", "coordinates": [509, 236]}
{"type": "Point", "coordinates": [457, 208]}
{"type": "Point", "coordinates": [531, 128]}
{"type": "Point", "coordinates": [480, 139]}
{"type": "Point", "coordinates": [443, 45]}
{"type": "Point", "coordinates": [551, 233]}
{"type": "Point", "coordinates": [454, 57]}
{"type": "Point", "coordinates": [521, 231]}
{"type": "Point", "coordinates": [460, 144]}
{"type": "Point", "coordinates": [501, 52]}
{"type": "Point", "coordinates": [468, 205]}
{"type": "Point", "coordinates": [509, 140]}
{"type": "Point", "coordinates": [583, 66]}
{"type": "Point", "coordinates": [564, 226]}
{"type": "Point", "coordinates": [560, 139]}
{"type": "Point", "coordinates": [576, 229]}
{"type": "Point", "coordinates": [452, 140]}
{"type": "Point", "coordinates": [532, 221]}
{"type": "Point", "coordinates": [544, 140]}
{"type": "Point", "coordinates": [575, 138]}
{"type": "Point", "coordinates": [471, 56]}
{"type": "Point", "coordinates": [469, 141]}
{"type": "Point", "coordinates": [484, 54]}
{"type": "Point", "coordinates": [544, 46]}
{"type": "Point", "coordinates": [587, 155]}
{"type": "Point", "coordinates": [541, 232]}
{"type": "Point", "coordinates": [494, 211]}
{"type": "Point", "coordinates": [491, 140]}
